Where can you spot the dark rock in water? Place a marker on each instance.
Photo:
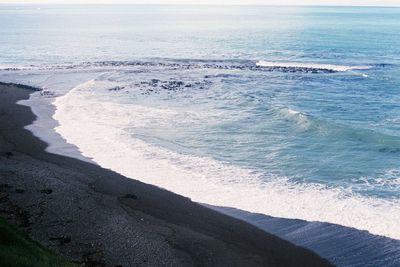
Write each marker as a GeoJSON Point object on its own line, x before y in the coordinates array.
{"type": "Point", "coordinates": [19, 191]}
{"type": "Point", "coordinates": [221, 75]}
{"type": "Point", "coordinates": [131, 196]}
{"type": "Point", "coordinates": [47, 93]}
{"type": "Point", "coordinates": [47, 191]}
{"type": "Point", "coordinates": [117, 88]}
{"type": "Point", "coordinates": [9, 154]}
{"type": "Point", "coordinates": [178, 83]}
{"type": "Point", "coordinates": [156, 86]}
{"type": "Point", "coordinates": [293, 69]}
{"type": "Point", "coordinates": [215, 65]}
{"type": "Point", "coordinates": [23, 86]}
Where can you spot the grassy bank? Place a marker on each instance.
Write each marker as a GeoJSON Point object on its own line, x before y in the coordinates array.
{"type": "Point", "coordinates": [17, 249]}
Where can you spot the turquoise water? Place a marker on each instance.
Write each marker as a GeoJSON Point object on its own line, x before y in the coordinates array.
{"type": "Point", "coordinates": [322, 112]}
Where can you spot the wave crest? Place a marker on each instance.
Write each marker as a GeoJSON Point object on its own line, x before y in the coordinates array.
{"type": "Point", "coordinates": [309, 66]}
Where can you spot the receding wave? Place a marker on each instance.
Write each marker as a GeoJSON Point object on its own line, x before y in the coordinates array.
{"type": "Point", "coordinates": [98, 129]}
{"type": "Point", "coordinates": [309, 66]}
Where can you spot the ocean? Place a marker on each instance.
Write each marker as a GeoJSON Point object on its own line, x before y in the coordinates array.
{"type": "Point", "coordinates": [289, 112]}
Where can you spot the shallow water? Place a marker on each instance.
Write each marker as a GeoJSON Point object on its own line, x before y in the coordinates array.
{"type": "Point", "coordinates": [288, 112]}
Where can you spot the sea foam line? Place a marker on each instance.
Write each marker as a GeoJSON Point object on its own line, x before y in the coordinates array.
{"type": "Point", "coordinates": [97, 128]}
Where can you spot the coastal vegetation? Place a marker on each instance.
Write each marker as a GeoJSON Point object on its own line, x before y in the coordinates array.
{"type": "Point", "coordinates": [17, 249]}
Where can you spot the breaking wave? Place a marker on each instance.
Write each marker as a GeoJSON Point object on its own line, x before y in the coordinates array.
{"type": "Point", "coordinates": [99, 129]}
{"type": "Point", "coordinates": [309, 66]}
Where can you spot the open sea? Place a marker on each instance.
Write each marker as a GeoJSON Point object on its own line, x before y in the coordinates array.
{"type": "Point", "coordinates": [288, 112]}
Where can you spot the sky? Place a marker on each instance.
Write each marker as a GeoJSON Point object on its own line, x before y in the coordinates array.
{"type": "Point", "coordinates": [218, 2]}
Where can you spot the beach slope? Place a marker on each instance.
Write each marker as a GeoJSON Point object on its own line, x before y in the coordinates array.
{"type": "Point", "coordinates": [95, 216]}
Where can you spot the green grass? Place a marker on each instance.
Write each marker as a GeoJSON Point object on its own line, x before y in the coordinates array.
{"type": "Point", "coordinates": [17, 249]}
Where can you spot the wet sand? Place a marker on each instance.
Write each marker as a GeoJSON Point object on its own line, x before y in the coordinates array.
{"type": "Point", "coordinates": [95, 216]}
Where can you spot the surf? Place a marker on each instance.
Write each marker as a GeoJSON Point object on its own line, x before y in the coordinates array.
{"type": "Point", "coordinates": [311, 66]}
{"type": "Point", "coordinates": [98, 129]}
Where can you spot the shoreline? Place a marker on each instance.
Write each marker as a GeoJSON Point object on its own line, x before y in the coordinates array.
{"type": "Point", "coordinates": [93, 215]}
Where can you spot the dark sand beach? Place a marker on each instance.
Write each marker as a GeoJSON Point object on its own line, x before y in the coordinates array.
{"type": "Point", "coordinates": [95, 216]}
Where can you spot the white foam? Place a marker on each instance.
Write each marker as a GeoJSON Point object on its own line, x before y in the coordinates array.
{"type": "Point", "coordinates": [60, 83]}
{"type": "Point", "coordinates": [97, 128]}
{"type": "Point", "coordinates": [332, 67]}
{"type": "Point", "coordinates": [388, 181]}
{"type": "Point", "coordinates": [299, 118]}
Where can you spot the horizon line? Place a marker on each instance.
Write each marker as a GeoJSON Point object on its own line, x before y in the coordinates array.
{"type": "Point", "coordinates": [208, 4]}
